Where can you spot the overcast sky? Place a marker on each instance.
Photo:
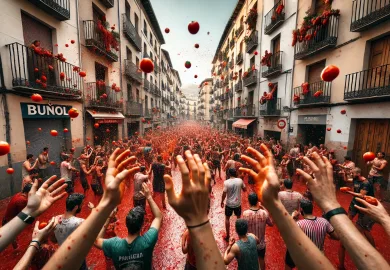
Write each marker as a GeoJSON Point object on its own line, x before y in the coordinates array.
{"type": "Point", "coordinates": [212, 16]}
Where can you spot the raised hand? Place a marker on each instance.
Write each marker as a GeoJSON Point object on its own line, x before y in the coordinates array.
{"type": "Point", "coordinates": [321, 186]}
{"type": "Point", "coordinates": [376, 212]}
{"type": "Point", "coordinates": [262, 169]}
{"type": "Point", "coordinates": [192, 202]}
{"type": "Point", "coordinates": [41, 234]}
{"type": "Point", "coordinates": [39, 200]}
{"type": "Point", "coordinates": [145, 190]}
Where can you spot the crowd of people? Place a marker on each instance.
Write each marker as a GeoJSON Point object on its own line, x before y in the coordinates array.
{"type": "Point", "coordinates": [260, 167]}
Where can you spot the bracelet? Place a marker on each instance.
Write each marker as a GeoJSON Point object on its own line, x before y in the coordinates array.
{"type": "Point", "coordinates": [199, 225]}
{"type": "Point", "coordinates": [336, 211]}
{"type": "Point", "coordinates": [36, 241]}
{"type": "Point", "coordinates": [34, 246]}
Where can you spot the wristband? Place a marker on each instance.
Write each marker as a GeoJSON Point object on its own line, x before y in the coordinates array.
{"type": "Point", "coordinates": [36, 241]}
{"type": "Point", "coordinates": [199, 225]}
{"type": "Point", "coordinates": [336, 211]}
{"type": "Point", "coordinates": [34, 246]}
{"type": "Point", "coordinates": [26, 218]}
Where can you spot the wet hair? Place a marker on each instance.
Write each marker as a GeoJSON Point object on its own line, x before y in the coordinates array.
{"type": "Point", "coordinates": [306, 206]}
{"type": "Point", "coordinates": [27, 188]}
{"type": "Point", "coordinates": [236, 157]}
{"type": "Point", "coordinates": [33, 171]}
{"type": "Point", "coordinates": [74, 199]}
{"type": "Point", "coordinates": [135, 219]}
{"type": "Point", "coordinates": [241, 227]}
{"type": "Point", "coordinates": [383, 154]}
{"type": "Point", "coordinates": [142, 168]}
{"type": "Point", "coordinates": [45, 148]}
{"type": "Point", "coordinates": [253, 199]}
{"type": "Point", "coordinates": [159, 158]}
{"type": "Point", "coordinates": [29, 156]}
{"type": "Point", "coordinates": [232, 172]}
{"type": "Point", "coordinates": [288, 183]}
{"type": "Point", "coordinates": [348, 158]}
{"type": "Point", "coordinates": [357, 170]}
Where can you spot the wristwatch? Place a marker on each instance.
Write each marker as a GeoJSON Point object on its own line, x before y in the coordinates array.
{"type": "Point", "coordinates": [26, 218]}
{"type": "Point", "coordinates": [336, 211]}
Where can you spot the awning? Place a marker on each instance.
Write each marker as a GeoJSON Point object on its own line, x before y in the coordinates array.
{"type": "Point", "coordinates": [243, 123]}
{"type": "Point", "coordinates": [105, 117]}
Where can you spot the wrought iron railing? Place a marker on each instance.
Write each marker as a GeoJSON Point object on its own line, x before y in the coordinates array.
{"type": "Point", "coordinates": [252, 42]}
{"type": "Point", "coordinates": [133, 108]}
{"type": "Point", "coordinates": [108, 3]}
{"type": "Point", "coordinates": [368, 84]}
{"type": "Point", "coordinates": [99, 95]}
{"type": "Point", "coordinates": [271, 108]}
{"type": "Point", "coordinates": [146, 85]}
{"type": "Point", "coordinates": [322, 37]}
{"type": "Point", "coordinates": [147, 113]}
{"type": "Point", "coordinates": [239, 58]}
{"type": "Point", "coordinates": [132, 71]}
{"type": "Point", "coordinates": [43, 73]}
{"type": "Point", "coordinates": [237, 111]}
{"type": "Point", "coordinates": [95, 39]}
{"type": "Point", "coordinates": [274, 17]}
{"type": "Point", "coordinates": [368, 13]}
{"type": "Point", "coordinates": [274, 66]}
{"type": "Point", "coordinates": [238, 86]}
{"type": "Point", "coordinates": [314, 93]}
{"type": "Point", "coordinates": [131, 33]}
{"type": "Point", "coordinates": [251, 78]}
{"type": "Point", "coordinates": [60, 9]}
{"type": "Point", "coordinates": [156, 68]}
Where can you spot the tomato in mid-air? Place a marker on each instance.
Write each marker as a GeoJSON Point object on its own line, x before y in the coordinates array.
{"type": "Point", "coordinates": [146, 65]}
{"type": "Point", "coordinates": [66, 130]}
{"type": "Point", "coordinates": [339, 131]}
{"type": "Point", "coordinates": [167, 30]}
{"type": "Point", "coordinates": [96, 125]}
{"type": "Point", "coordinates": [4, 148]}
{"type": "Point", "coordinates": [36, 98]}
{"type": "Point", "coordinates": [187, 64]}
{"type": "Point", "coordinates": [53, 133]}
{"type": "Point", "coordinates": [368, 156]}
{"type": "Point", "coordinates": [10, 171]}
{"type": "Point", "coordinates": [193, 27]}
{"type": "Point", "coordinates": [73, 113]}
{"type": "Point", "coordinates": [330, 73]}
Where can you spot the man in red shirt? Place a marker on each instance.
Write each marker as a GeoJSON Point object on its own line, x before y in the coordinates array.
{"type": "Point", "coordinates": [17, 203]}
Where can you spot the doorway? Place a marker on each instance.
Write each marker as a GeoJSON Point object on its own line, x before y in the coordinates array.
{"type": "Point", "coordinates": [314, 134]}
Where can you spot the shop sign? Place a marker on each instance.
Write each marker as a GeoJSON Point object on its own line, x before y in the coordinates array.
{"type": "Point", "coordinates": [312, 119]}
{"type": "Point", "coordinates": [33, 110]}
{"type": "Point", "coordinates": [109, 121]}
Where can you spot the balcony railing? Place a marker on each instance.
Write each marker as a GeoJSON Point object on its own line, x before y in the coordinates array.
{"type": "Point", "coordinates": [237, 112]}
{"type": "Point", "coordinates": [368, 13]}
{"type": "Point", "coordinates": [147, 113]}
{"type": "Point", "coordinates": [156, 69]}
{"type": "Point", "coordinates": [275, 66]}
{"type": "Point", "coordinates": [232, 44]}
{"type": "Point", "coordinates": [108, 3]}
{"type": "Point", "coordinates": [325, 38]}
{"type": "Point", "coordinates": [133, 108]}
{"type": "Point", "coordinates": [240, 30]}
{"type": "Point", "coordinates": [248, 110]}
{"type": "Point", "coordinates": [131, 71]}
{"type": "Point", "coordinates": [251, 78]}
{"type": "Point", "coordinates": [239, 58]}
{"type": "Point", "coordinates": [271, 108]}
{"type": "Point", "coordinates": [95, 40]}
{"type": "Point", "coordinates": [147, 86]}
{"type": "Point", "coordinates": [41, 73]}
{"type": "Point", "coordinates": [313, 96]}
{"type": "Point", "coordinates": [98, 95]}
{"type": "Point", "coordinates": [274, 17]}
{"type": "Point", "coordinates": [238, 86]}
{"type": "Point", "coordinates": [131, 33]}
{"type": "Point", "coordinates": [368, 84]}
{"type": "Point", "coordinates": [252, 42]}
{"type": "Point", "coordinates": [59, 9]}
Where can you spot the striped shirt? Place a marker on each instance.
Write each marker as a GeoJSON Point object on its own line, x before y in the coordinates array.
{"type": "Point", "coordinates": [257, 221]}
{"type": "Point", "coordinates": [316, 229]}
{"type": "Point", "coordinates": [290, 200]}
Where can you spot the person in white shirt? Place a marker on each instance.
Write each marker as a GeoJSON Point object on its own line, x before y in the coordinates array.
{"type": "Point", "coordinates": [232, 192]}
{"type": "Point", "coordinates": [66, 172]}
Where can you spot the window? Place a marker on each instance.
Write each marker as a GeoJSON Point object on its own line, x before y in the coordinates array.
{"type": "Point", "coordinates": [276, 44]}
{"type": "Point", "coordinates": [129, 92]}
{"type": "Point", "coordinates": [127, 10]}
{"type": "Point", "coordinates": [129, 54]}
{"type": "Point", "coordinates": [314, 72]}
{"type": "Point", "coordinates": [145, 28]}
{"type": "Point", "coordinates": [137, 61]}
{"type": "Point", "coordinates": [136, 22]}
{"type": "Point", "coordinates": [35, 30]}
{"type": "Point", "coordinates": [146, 103]}
{"type": "Point", "coordinates": [252, 62]}
{"type": "Point", "coordinates": [97, 14]}
{"type": "Point", "coordinates": [319, 6]}
{"type": "Point", "coordinates": [137, 95]}
{"type": "Point", "coordinates": [100, 72]}
{"type": "Point", "coordinates": [151, 103]}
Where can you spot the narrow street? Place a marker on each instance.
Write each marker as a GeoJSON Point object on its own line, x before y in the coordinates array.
{"type": "Point", "coordinates": [167, 253]}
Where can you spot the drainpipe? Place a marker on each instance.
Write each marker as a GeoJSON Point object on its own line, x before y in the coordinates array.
{"type": "Point", "coordinates": [8, 135]}
{"type": "Point", "coordinates": [120, 66]}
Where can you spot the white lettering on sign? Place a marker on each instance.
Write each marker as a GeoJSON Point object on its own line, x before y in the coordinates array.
{"type": "Point", "coordinates": [50, 110]}
{"type": "Point", "coordinates": [311, 119]}
{"type": "Point", "coordinates": [46, 110]}
{"type": "Point", "coordinates": [31, 110]}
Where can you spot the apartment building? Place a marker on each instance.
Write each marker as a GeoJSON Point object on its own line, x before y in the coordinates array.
{"type": "Point", "coordinates": [204, 113]}
{"type": "Point", "coordinates": [192, 107]}
{"type": "Point", "coordinates": [351, 114]}
{"type": "Point", "coordinates": [236, 70]}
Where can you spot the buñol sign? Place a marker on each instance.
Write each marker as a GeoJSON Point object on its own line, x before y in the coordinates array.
{"type": "Point", "coordinates": [32, 110]}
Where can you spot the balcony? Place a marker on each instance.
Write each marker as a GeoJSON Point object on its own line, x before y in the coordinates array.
{"type": "Point", "coordinates": [274, 17]}
{"type": "Point", "coordinates": [95, 40]}
{"type": "Point", "coordinates": [252, 42]}
{"type": "Point", "coordinates": [271, 108]}
{"type": "Point", "coordinates": [131, 33]}
{"type": "Point", "coordinates": [231, 64]}
{"type": "Point", "coordinates": [133, 108]}
{"type": "Point", "coordinates": [237, 112]}
{"type": "Point", "coordinates": [147, 86]}
{"type": "Point", "coordinates": [251, 78]}
{"type": "Point", "coordinates": [238, 87]}
{"type": "Point", "coordinates": [156, 69]}
{"type": "Point", "coordinates": [26, 81]}
{"type": "Point", "coordinates": [59, 9]}
{"type": "Point", "coordinates": [98, 95]}
{"type": "Point", "coordinates": [275, 66]}
{"type": "Point", "coordinates": [240, 30]}
{"type": "Point", "coordinates": [313, 96]}
{"type": "Point", "coordinates": [108, 3]}
{"type": "Point", "coordinates": [370, 84]}
{"type": "Point", "coordinates": [146, 55]}
{"type": "Point", "coordinates": [239, 58]}
{"type": "Point", "coordinates": [131, 71]}
{"type": "Point", "coordinates": [231, 44]}
{"type": "Point", "coordinates": [147, 113]}
{"type": "Point", "coordinates": [248, 110]}
{"type": "Point", "coordinates": [368, 13]}
{"type": "Point", "coordinates": [325, 38]}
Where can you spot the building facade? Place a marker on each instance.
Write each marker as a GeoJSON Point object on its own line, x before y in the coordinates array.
{"type": "Point", "coordinates": [204, 113]}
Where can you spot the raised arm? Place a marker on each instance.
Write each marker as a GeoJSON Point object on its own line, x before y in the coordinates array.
{"type": "Point", "coordinates": [39, 200]}
{"type": "Point", "coordinates": [362, 253]}
{"type": "Point", "coordinates": [82, 239]}
{"type": "Point", "coordinates": [303, 251]}
{"type": "Point", "coordinates": [156, 223]}
{"type": "Point", "coordinates": [191, 204]}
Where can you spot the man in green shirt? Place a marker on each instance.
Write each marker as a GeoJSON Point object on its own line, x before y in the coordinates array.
{"type": "Point", "coordinates": [134, 251]}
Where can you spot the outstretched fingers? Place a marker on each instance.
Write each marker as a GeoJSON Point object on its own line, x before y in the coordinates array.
{"type": "Point", "coordinates": [258, 156]}
{"type": "Point", "coordinates": [169, 187]}
{"type": "Point", "coordinates": [126, 163]}
{"type": "Point", "coordinates": [47, 183]}
{"type": "Point", "coordinates": [56, 185]}
{"type": "Point", "coordinates": [192, 165]}
{"type": "Point", "coordinates": [248, 171]}
{"type": "Point", "coordinates": [207, 178]}
{"type": "Point", "coordinates": [185, 173]}
{"type": "Point", "coordinates": [254, 164]}
{"type": "Point", "coordinates": [114, 155]}
{"type": "Point", "coordinates": [123, 156]}
{"type": "Point", "coordinates": [201, 169]}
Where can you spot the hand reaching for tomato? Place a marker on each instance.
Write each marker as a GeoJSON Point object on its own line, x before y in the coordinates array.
{"type": "Point", "coordinates": [374, 210]}
{"type": "Point", "coordinates": [345, 189]}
